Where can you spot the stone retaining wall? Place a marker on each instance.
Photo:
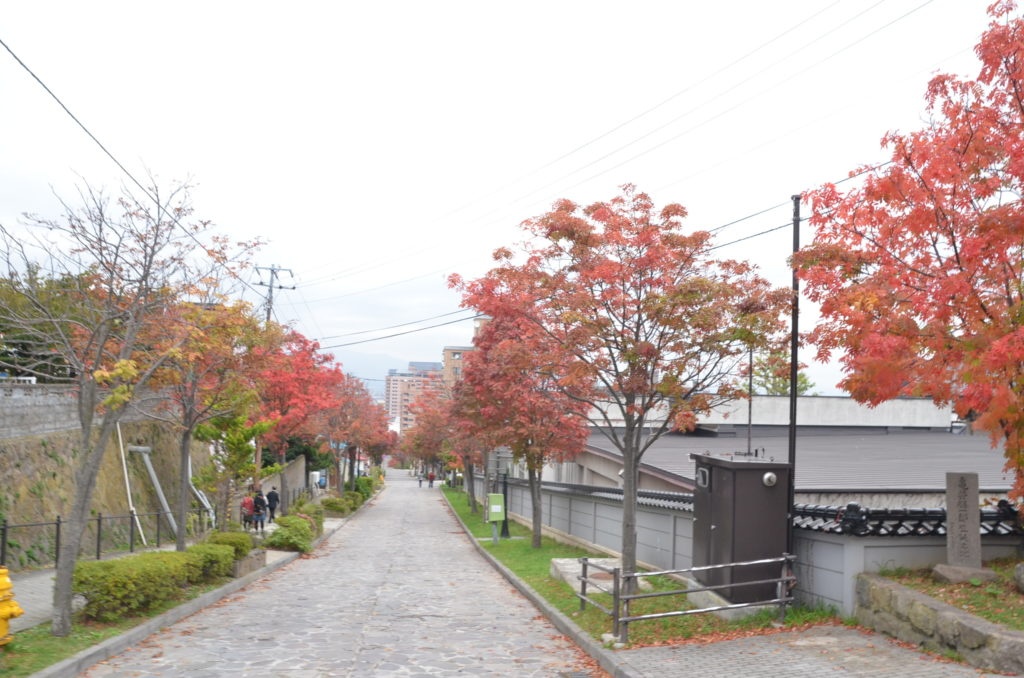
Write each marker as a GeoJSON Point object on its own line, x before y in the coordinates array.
{"type": "Point", "coordinates": [912, 617]}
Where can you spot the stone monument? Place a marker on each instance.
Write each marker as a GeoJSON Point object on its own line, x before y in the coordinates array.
{"type": "Point", "coordinates": [963, 532]}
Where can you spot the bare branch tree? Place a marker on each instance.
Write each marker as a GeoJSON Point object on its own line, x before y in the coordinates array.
{"type": "Point", "coordinates": [85, 304]}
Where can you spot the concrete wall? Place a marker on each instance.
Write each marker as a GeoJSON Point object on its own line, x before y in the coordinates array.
{"type": "Point", "coordinates": [827, 565]}
{"type": "Point", "coordinates": [36, 410]}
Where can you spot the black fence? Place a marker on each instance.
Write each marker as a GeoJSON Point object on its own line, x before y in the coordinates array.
{"type": "Point", "coordinates": [27, 545]}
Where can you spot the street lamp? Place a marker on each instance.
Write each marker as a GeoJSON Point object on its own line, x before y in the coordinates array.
{"type": "Point", "coordinates": [504, 462]}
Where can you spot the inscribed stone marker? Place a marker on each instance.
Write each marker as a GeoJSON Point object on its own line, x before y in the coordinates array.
{"type": "Point", "coordinates": [963, 520]}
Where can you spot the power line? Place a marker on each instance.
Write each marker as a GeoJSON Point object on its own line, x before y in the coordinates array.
{"type": "Point", "coordinates": [399, 334]}
{"type": "Point", "coordinates": [392, 327]}
{"type": "Point", "coordinates": [103, 148]}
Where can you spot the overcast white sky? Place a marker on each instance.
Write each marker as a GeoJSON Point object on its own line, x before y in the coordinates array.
{"type": "Point", "coordinates": [380, 146]}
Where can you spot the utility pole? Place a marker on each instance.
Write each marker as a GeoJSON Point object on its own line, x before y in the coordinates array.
{"type": "Point", "coordinates": [274, 270]}
{"type": "Point", "coordinates": [794, 373]}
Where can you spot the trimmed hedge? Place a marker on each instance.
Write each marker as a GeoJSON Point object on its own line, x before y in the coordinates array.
{"type": "Point", "coordinates": [241, 542]}
{"type": "Point", "coordinates": [128, 586]}
{"type": "Point", "coordinates": [215, 559]}
{"type": "Point", "coordinates": [132, 585]}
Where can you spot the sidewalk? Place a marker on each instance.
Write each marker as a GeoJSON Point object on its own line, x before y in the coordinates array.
{"type": "Point", "coordinates": [33, 589]}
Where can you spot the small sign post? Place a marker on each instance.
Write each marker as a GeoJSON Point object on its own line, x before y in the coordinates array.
{"type": "Point", "coordinates": [495, 513]}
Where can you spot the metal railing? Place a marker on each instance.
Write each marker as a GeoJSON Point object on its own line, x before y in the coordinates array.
{"type": "Point", "coordinates": [622, 582]}
{"type": "Point", "coordinates": [104, 534]}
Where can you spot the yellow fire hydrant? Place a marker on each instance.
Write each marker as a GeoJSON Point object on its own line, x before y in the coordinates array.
{"type": "Point", "coordinates": [9, 608]}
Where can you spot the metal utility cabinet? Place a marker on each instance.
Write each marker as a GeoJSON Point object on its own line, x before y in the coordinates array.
{"type": "Point", "coordinates": [740, 514]}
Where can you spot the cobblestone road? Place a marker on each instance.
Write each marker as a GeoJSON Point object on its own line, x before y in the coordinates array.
{"type": "Point", "coordinates": [393, 593]}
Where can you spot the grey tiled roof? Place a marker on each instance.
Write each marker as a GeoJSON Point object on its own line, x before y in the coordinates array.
{"type": "Point", "coordinates": [843, 458]}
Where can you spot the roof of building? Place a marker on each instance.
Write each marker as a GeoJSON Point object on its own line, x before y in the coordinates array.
{"type": "Point", "coordinates": [840, 458]}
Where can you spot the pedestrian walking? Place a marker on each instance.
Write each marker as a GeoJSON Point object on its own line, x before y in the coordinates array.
{"type": "Point", "coordinates": [246, 508]}
{"type": "Point", "coordinates": [259, 512]}
{"type": "Point", "coordinates": [430, 479]}
{"type": "Point", "coordinates": [273, 499]}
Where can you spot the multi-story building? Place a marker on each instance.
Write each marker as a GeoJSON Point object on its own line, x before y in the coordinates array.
{"type": "Point", "coordinates": [402, 388]}
{"type": "Point", "coordinates": [453, 359]}
{"type": "Point", "coordinates": [454, 355]}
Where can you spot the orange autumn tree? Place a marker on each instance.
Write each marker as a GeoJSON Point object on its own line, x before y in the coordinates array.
{"type": "Point", "coordinates": [206, 378]}
{"type": "Point", "coordinates": [512, 399]}
{"type": "Point", "coordinates": [646, 329]}
{"type": "Point", "coordinates": [920, 270]}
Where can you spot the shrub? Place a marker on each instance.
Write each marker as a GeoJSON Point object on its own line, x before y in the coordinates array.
{"type": "Point", "coordinates": [355, 499]}
{"type": "Point", "coordinates": [241, 542]}
{"type": "Point", "coordinates": [364, 485]}
{"type": "Point", "coordinates": [315, 512]}
{"type": "Point", "coordinates": [215, 559]}
{"type": "Point", "coordinates": [293, 533]}
{"type": "Point", "coordinates": [336, 505]}
{"type": "Point", "coordinates": [127, 586]}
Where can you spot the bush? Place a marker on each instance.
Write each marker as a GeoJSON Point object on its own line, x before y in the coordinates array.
{"type": "Point", "coordinates": [354, 499]}
{"type": "Point", "coordinates": [215, 559]}
{"type": "Point", "coordinates": [293, 533]}
{"type": "Point", "coordinates": [336, 505]}
{"type": "Point", "coordinates": [241, 542]}
{"type": "Point", "coordinates": [313, 511]}
{"type": "Point", "coordinates": [127, 586]}
{"type": "Point", "coordinates": [364, 485]}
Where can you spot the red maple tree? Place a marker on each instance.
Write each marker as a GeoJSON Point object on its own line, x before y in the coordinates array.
{"type": "Point", "coordinates": [507, 401]}
{"type": "Point", "coordinates": [297, 384]}
{"type": "Point", "coordinates": [642, 325]}
{"type": "Point", "coordinates": [919, 270]}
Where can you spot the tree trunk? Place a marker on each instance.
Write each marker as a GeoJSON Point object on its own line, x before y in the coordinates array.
{"type": "Point", "coordinates": [258, 461]}
{"type": "Point", "coordinates": [470, 487]}
{"type": "Point", "coordinates": [184, 483]}
{"type": "Point", "coordinates": [284, 484]}
{"type": "Point", "coordinates": [536, 505]}
{"type": "Point", "coordinates": [629, 496]}
{"type": "Point", "coordinates": [352, 467]}
{"type": "Point", "coordinates": [90, 458]}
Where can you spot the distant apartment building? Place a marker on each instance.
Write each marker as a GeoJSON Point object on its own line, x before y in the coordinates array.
{"type": "Point", "coordinates": [454, 356]}
{"type": "Point", "coordinates": [402, 388]}
{"type": "Point", "coordinates": [453, 361]}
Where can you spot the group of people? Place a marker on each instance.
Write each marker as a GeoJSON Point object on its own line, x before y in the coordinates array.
{"type": "Point", "coordinates": [255, 507]}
